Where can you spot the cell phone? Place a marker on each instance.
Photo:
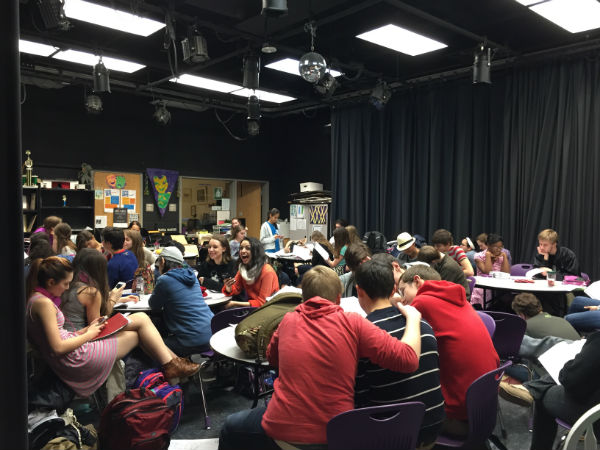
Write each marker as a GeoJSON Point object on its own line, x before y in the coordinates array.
{"type": "Point", "coordinates": [120, 284]}
{"type": "Point", "coordinates": [102, 319]}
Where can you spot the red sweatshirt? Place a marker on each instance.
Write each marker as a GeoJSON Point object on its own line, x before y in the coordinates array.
{"type": "Point", "coordinates": [464, 344]}
{"type": "Point", "coordinates": [317, 347]}
{"type": "Point", "coordinates": [264, 286]}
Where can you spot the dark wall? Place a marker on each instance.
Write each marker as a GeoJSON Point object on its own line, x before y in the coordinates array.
{"type": "Point", "coordinates": [61, 135]}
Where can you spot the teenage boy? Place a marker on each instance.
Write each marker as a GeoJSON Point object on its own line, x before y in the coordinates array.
{"type": "Point", "coordinates": [406, 248]}
{"type": "Point", "coordinates": [316, 348]}
{"type": "Point", "coordinates": [375, 386]}
{"type": "Point", "coordinates": [560, 259]}
{"type": "Point", "coordinates": [443, 242]}
{"type": "Point", "coordinates": [123, 263]}
{"type": "Point", "coordinates": [539, 323]}
{"type": "Point", "coordinates": [448, 269]}
{"type": "Point", "coordinates": [465, 347]}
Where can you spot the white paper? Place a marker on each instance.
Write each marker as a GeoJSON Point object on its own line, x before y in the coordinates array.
{"type": "Point", "coordinates": [134, 216]}
{"type": "Point", "coordinates": [101, 221]}
{"type": "Point", "coordinates": [321, 251]}
{"type": "Point", "coordinates": [293, 224]}
{"type": "Point", "coordinates": [292, 212]}
{"type": "Point", "coordinates": [593, 290]}
{"type": "Point", "coordinates": [129, 200]}
{"type": "Point", "coordinates": [142, 304]}
{"type": "Point", "coordinates": [112, 200]}
{"type": "Point", "coordinates": [557, 356]}
{"type": "Point", "coordinates": [319, 228]}
{"type": "Point", "coordinates": [301, 224]}
{"type": "Point", "coordinates": [172, 207]}
{"type": "Point", "coordinates": [301, 252]}
{"type": "Point", "coordinates": [350, 304]}
{"type": "Point", "coordinates": [299, 211]}
{"type": "Point", "coordinates": [533, 272]}
{"type": "Point", "coordinates": [149, 207]}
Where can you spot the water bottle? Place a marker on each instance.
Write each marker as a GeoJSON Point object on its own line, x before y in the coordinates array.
{"type": "Point", "coordinates": [139, 285]}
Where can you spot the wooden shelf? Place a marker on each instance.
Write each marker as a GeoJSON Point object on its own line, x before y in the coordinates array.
{"type": "Point", "coordinates": [67, 207]}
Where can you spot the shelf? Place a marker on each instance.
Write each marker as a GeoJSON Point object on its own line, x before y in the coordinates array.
{"type": "Point", "coordinates": [66, 190]}
{"type": "Point", "coordinates": [67, 207]}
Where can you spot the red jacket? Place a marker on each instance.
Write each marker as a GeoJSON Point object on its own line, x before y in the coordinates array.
{"type": "Point", "coordinates": [464, 344]}
{"type": "Point", "coordinates": [317, 347]}
{"type": "Point", "coordinates": [264, 286]}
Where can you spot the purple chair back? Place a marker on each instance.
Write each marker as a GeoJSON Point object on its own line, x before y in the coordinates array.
{"type": "Point", "coordinates": [482, 407]}
{"type": "Point", "coordinates": [471, 281]}
{"type": "Point", "coordinates": [358, 429]}
{"type": "Point", "coordinates": [229, 317]}
{"type": "Point", "coordinates": [510, 330]}
{"type": "Point", "coordinates": [519, 270]}
{"type": "Point", "coordinates": [489, 322]}
{"type": "Point", "coordinates": [586, 278]}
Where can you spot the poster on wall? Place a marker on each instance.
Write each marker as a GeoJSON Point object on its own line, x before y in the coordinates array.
{"type": "Point", "coordinates": [318, 214]}
{"type": "Point", "coordinates": [163, 183]}
{"type": "Point", "coordinates": [128, 200]}
{"type": "Point", "coordinates": [112, 199]}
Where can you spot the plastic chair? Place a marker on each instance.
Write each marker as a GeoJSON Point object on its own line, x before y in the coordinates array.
{"type": "Point", "coordinates": [482, 405]}
{"type": "Point", "coordinates": [359, 429]}
{"type": "Point", "coordinates": [519, 270]}
{"type": "Point", "coordinates": [586, 278]}
{"type": "Point", "coordinates": [471, 281]}
{"type": "Point", "coordinates": [489, 322]}
{"type": "Point", "coordinates": [584, 426]}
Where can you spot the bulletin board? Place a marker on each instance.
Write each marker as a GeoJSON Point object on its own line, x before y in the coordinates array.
{"type": "Point", "coordinates": [117, 190]}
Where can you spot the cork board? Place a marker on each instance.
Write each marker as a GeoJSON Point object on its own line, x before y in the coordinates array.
{"type": "Point", "coordinates": [117, 189]}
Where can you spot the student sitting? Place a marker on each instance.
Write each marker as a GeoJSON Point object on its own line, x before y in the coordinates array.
{"type": "Point", "coordinates": [375, 386]}
{"type": "Point", "coordinates": [62, 243]}
{"type": "Point", "coordinates": [355, 256]}
{"type": "Point", "coordinates": [123, 263]}
{"type": "Point", "coordinates": [465, 347]}
{"type": "Point", "coordinates": [185, 312]}
{"type": "Point", "coordinates": [254, 275]}
{"type": "Point", "coordinates": [86, 239]}
{"type": "Point", "coordinates": [316, 349]}
{"type": "Point", "coordinates": [560, 259]}
{"type": "Point", "coordinates": [317, 259]}
{"type": "Point", "coordinates": [88, 296]}
{"type": "Point", "coordinates": [443, 242]}
{"type": "Point", "coordinates": [39, 247]}
{"type": "Point", "coordinates": [238, 233]}
{"type": "Point", "coordinates": [491, 259]}
{"type": "Point", "coordinates": [134, 243]}
{"type": "Point", "coordinates": [397, 269]}
{"type": "Point", "coordinates": [469, 248]}
{"type": "Point", "coordinates": [541, 324]}
{"type": "Point", "coordinates": [82, 363]}
{"type": "Point", "coordinates": [48, 226]}
{"type": "Point", "coordinates": [448, 269]}
{"type": "Point", "coordinates": [218, 265]}
{"type": "Point", "coordinates": [406, 249]}
{"type": "Point", "coordinates": [353, 234]}
{"type": "Point", "coordinates": [584, 314]}
{"type": "Point", "coordinates": [342, 240]}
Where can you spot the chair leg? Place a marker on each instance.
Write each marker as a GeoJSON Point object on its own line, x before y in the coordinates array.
{"type": "Point", "coordinates": [206, 417]}
{"type": "Point", "coordinates": [501, 420]}
{"type": "Point", "coordinates": [496, 441]}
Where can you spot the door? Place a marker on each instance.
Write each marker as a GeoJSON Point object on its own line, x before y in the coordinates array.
{"type": "Point", "coordinates": [249, 206]}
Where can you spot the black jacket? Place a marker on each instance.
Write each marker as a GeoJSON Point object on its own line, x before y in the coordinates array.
{"type": "Point", "coordinates": [580, 375]}
{"type": "Point", "coordinates": [215, 274]}
{"type": "Point", "coordinates": [564, 262]}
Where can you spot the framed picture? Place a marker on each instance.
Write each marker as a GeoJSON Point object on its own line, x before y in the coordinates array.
{"type": "Point", "coordinates": [201, 195]}
{"type": "Point", "coordinates": [193, 210]}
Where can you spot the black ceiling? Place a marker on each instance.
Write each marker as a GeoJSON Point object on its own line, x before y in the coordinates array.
{"type": "Point", "coordinates": [234, 27]}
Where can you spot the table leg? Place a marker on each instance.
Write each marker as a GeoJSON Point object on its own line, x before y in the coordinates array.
{"type": "Point", "coordinates": [256, 370]}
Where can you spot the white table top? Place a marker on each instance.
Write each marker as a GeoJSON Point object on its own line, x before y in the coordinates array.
{"type": "Point", "coordinates": [223, 342]}
{"type": "Point", "coordinates": [511, 285]}
{"type": "Point", "coordinates": [216, 298]}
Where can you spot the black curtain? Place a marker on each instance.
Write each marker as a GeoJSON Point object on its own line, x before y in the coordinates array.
{"type": "Point", "coordinates": [514, 158]}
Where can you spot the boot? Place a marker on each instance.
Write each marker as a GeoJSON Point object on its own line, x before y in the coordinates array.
{"type": "Point", "coordinates": [179, 369]}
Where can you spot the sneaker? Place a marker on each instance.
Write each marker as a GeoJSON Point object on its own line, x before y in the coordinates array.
{"type": "Point", "coordinates": [515, 393]}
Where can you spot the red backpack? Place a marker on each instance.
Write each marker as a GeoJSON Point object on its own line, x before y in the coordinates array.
{"type": "Point", "coordinates": [135, 419]}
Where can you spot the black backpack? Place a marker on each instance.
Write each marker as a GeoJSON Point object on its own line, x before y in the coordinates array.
{"type": "Point", "coordinates": [376, 241]}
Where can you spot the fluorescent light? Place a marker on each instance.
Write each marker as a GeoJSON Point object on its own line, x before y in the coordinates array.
{"type": "Point", "coordinates": [111, 18]}
{"type": "Point", "coordinates": [205, 83]}
{"type": "Point", "coordinates": [290, 65]}
{"type": "Point", "coordinates": [228, 88]}
{"type": "Point", "coordinates": [572, 15]}
{"type": "Point", "coordinates": [264, 95]}
{"type": "Point", "coordinates": [90, 59]}
{"type": "Point", "coordinates": [36, 48]}
{"type": "Point", "coordinates": [528, 2]}
{"type": "Point", "coordinates": [401, 40]}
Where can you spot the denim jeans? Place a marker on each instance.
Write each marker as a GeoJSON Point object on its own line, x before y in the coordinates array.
{"type": "Point", "coordinates": [243, 430]}
{"type": "Point", "coordinates": [581, 318]}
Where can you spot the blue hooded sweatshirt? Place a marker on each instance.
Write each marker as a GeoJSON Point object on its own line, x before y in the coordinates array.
{"type": "Point", "coordinates": [185, 312]}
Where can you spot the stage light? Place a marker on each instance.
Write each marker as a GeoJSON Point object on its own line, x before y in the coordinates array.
{"type": "Point", "coordinates": [482, 63]}
{"type": "Point", "coordinates": [268, 48]}
{"type": "Point", "coordinates": [253, 118]}
{"type": "Point", "coordinates": [162, 114]}
{"type": "Point", "coordinates": [194, 47]}
{"type": "Point", "coordinates": [381, 95]}
{"type": "Point", "coordinates": [53, 14]}
{"type": "Point", "coordinates": [251, 71]}
{"type": "Point", "coordinates": [93, 104]}
{"type": "Point", "coordinates": [101, 77]}
{"type": "Point", "coordinates": [274, 8]}
{"type": "Point", "coordinates": [327, 85]}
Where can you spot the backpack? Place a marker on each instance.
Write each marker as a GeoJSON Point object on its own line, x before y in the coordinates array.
{"type": "Point", "coordinates": [135, 419]}
{"type": "Point", "coordinates": [147, 275]}
{"type": "Point", "coordinates": [376, 241]}
{"type": "Point", "coordinates": [154, 380]}
{"type": "Point", "coordinates": [253, 334]}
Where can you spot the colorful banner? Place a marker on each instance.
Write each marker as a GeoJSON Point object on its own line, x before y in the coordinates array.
{"type": "Point", "coordinates": [163, 183]}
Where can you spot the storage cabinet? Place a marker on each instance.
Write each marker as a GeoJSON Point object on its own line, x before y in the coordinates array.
{"type": "Point", "coordinates": [74, 206]}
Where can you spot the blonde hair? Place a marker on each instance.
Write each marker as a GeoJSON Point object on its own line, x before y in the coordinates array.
{"type": "Point", "coordinates": [323, 282]}
{"type": "Point", "coordinates": [548, 235]}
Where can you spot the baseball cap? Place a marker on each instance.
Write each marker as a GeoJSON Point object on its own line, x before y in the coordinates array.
{"type": "Point", "coordinates": [172, 254]}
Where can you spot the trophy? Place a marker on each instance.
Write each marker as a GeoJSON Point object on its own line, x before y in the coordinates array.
{"type": "Point", "coordinates": [28, 170]}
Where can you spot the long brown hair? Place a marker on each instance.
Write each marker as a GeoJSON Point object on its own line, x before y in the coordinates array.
{"type": "Point", "coordinates": [341, 238]}
{"type": "Point", "coordinates": [353, 234]}
{"type": "Point", "coordinates": [225, 244]}
{"type": "Point", "coordinates": [319, 237]}
{"type": "Point", "coordinates": [62, 232]}
{"type": "Point", "coordinates": [235, 231]}
{"type": "Point", "coordinates": [43, 270]}
{"type": "Point", "coordinates": [90, 269]}
{"type": "Point", "coordinates": [137, 246]}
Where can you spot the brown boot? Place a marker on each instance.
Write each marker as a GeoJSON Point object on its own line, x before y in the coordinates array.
{"type": "Point", "coordinates": [178, 369]}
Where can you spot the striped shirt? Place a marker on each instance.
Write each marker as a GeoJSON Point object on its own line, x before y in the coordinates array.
{"type": "Point", "coordinates": [376, 386]}
{"type": "Point", "coordinates": [457, 253]}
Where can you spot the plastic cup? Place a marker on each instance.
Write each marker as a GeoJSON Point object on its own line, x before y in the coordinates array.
{"type": "Point", "coordinates": [551, 277]}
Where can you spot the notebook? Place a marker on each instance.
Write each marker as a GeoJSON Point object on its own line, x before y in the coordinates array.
{"type": "Point", "coordinates": [113, 324]}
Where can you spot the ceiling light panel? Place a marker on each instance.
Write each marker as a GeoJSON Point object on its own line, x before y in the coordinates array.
{"type": "Point", "coordinates": [89, 59]}
{"type": "Point", "coordinates": [35, 48]}
{"type": "Point", "coordinates": [528, 2]}
{"type": "Point", "coordinates": [205, 83]}
{"type": "Point", "coordinates": [290, 65]}
{"type": "Point", "coordinates": [401, 40]}
{"type": "Point", "coordinates": [264, 96]}
{"type": "Point", "coordinates": [111, 18]}
{"type": "Point", "coordinates": [574, 16]}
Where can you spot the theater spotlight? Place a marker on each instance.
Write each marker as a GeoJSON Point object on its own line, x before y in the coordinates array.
{"type": "Point", "coordinates": [101, 77]}
{"type": "Point", "coordinates": [162, 114]}
{"type": "Point", "coordinates": [381, 95]}
{"type": "Point", "coordinates": [274, 8]}
{"type": "Point", "coordinates": [253, 119]}
{"type": "Point", "coordinates": [53, 14]}
{"type": "Point", "coordinates": [327, 85]}
{"type": "Point", "coordinates": [482, 64]}
{"type": "Point", "coordinates": [93, 104]}
{"type": "Point", "coordinates": [251, 71]}
{"type": "Point", "coordinates": [194, 47]}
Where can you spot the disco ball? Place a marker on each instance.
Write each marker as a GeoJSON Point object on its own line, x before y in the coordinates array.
{"type": "Point", "coordinates": [312, 67]}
